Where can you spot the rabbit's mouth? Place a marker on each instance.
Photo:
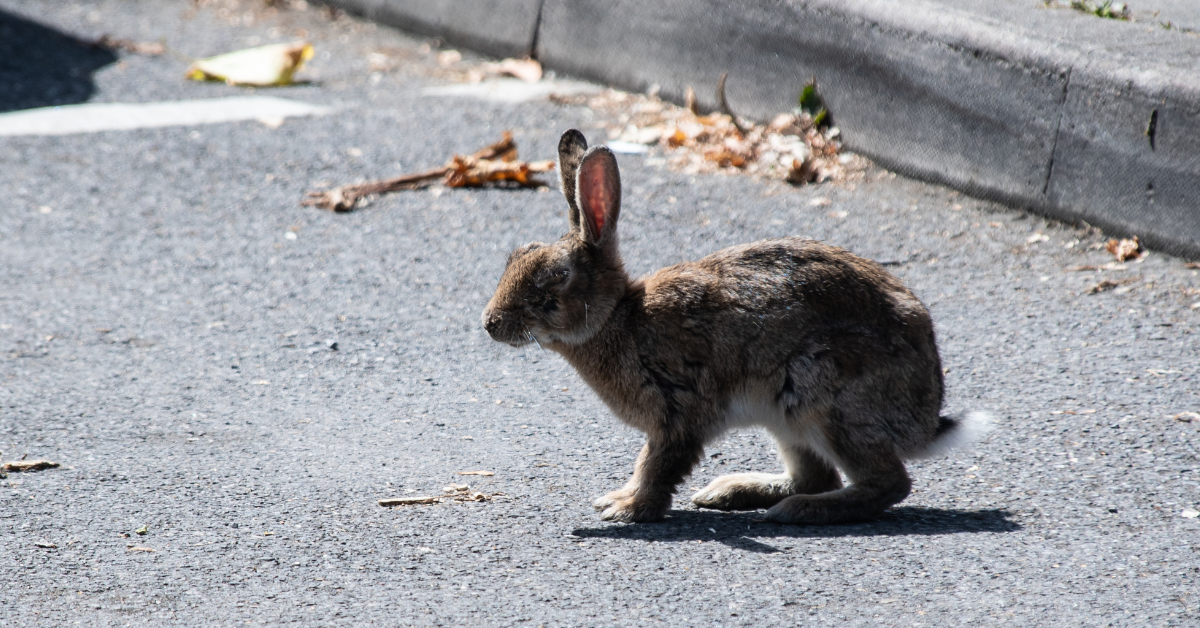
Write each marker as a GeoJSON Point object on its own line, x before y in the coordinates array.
{"type": "Point", "coordinates": [504, 329]}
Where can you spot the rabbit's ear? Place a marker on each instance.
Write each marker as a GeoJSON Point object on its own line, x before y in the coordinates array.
{"type": "Point", "coordinates": [571, 148]}
{"type": "Point", "coordinates": [598, 196]}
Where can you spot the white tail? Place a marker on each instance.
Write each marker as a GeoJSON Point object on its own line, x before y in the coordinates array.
{"type": "Point", "coordinates": [969, 429]}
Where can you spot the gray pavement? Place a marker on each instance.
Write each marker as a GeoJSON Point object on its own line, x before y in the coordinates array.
{"type": "Point", "coordinates": [167, 309]}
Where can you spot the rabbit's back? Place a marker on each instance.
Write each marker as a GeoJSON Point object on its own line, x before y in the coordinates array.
{"type": "Point", "coordinates": [774, 295]}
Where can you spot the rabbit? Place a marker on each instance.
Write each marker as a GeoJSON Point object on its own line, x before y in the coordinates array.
{"type": "Point", "coordinates": [826, 350]}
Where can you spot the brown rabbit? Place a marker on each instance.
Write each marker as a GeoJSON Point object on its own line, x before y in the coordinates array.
{"type": "Point", "coordinates": [829, 352]}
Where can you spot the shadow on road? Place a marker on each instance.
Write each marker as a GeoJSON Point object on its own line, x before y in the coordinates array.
{"type": "Point", "coordinates": [736, 529]}
{"type": "Point", "coordinates": [42, 67]}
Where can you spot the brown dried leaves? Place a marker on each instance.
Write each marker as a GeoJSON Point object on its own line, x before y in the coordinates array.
{"type": "Point", "coordinates": [790, 147]}
{"type": "Point", "coordinates": [495, 163]}
{"type": "Point", "coordinates": [1124, 249]}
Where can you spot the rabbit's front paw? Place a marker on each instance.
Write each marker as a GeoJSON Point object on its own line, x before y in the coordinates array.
{"type": "Point", "coordinates": [634, 509]}
{"type": "Point", "coordinates": [605, 501]}
{"type": "Point", "coordinates": [744, 491]}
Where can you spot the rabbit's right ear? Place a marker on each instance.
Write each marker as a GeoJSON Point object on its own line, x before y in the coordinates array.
{"type": "Point", "coordinates": [598, 195]}
{"type": "Point", "coordinates": [571, 147]}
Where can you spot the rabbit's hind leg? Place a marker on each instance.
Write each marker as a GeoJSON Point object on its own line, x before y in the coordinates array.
{"type": "Point", "coordinates": [744, 491]}
{"type": "Point", "coordinates": [878, 480]}
{"type": "Point", "coordinates": [806, 472]}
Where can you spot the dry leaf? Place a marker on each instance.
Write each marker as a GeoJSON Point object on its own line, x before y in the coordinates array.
{"type": "Point", "coordinates": [45, 544]}
{"type": "Point", "coordinates": [466, 172]}
{"type": "Point", "coordinates": [19, 466]}
{"type": "Point", "coordinates": [263, 66]}
{"type": "Point", "coordinates": [484, 473]}
{"type": "Point", "coordinates": [1124, 249]}
{"type": "Point", "coordinates": [1187, 417]}
{"type": "Point", "coordinates": [494, 163]}
{"type": "Point", "coordinates": [1192, 265]}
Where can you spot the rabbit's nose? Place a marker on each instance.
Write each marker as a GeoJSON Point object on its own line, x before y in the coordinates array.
{"type": "Point", "coordinates": [493, 322]}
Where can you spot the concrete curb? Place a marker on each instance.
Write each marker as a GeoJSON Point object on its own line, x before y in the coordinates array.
{"type": "Point", "coordinates": [1044, 109]}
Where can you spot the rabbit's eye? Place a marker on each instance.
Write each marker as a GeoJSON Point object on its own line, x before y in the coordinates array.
{"type": "Point", "coordinates": [555, 277]}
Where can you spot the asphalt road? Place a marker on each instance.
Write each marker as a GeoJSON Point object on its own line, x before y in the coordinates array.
{"type": "Point", "coordinates": [167, 310]}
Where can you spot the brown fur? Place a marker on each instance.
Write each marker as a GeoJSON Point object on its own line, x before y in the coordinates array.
{"type": "Point", "coordinates": [826, 350]}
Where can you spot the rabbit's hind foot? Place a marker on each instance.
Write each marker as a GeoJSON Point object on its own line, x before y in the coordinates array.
{"type": "Point", "coordinates": [744, 491]}
{"type": "Point", "coordinates": [855, 503]}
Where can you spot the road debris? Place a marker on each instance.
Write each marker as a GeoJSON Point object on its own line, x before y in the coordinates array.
{"type": "Point", "coordinates": [264, 66]}
{"type": "Point", "coordinates": [1192, 265]}
{"type": "Point", "coordinates": [1124, 249]}
{"type": "Point", "coordinates": [43, 543]}
{"type": "Point", "coordinates": [1108, 266]}
{"type": "Point", "coordinates": [1187, 417]}
{"type": "Point", "coordinates": [25, 466]}
{"type": "Point", "coordinates": [492, 164]}
{"type": "Point", "coordinates": [1109, 284]}
{"type": "Point", "coordinates": [527, 70]}
{"type": "Point", "coordinates": [409, 501]}
{"type": "Point", "coordinates": [797, 147]}
{"type": "Point", "coordinates": [1106, 8]}
{"type": "Point", "coordinates": [142, 531]}
{"type": "Point", "coordinates": [147, 48]}
{"type": "Point", "coordinates": [454, 492]}
{"type": "Point", "coordinates": [139, 548]}
{"type": "Point", "coordinates": [1190, 513]}
{"type": "Point", "coordinates": [483, 473]}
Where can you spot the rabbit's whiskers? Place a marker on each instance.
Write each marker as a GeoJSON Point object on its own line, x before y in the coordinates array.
{"type": "Point", "coordinates": [529, 335]}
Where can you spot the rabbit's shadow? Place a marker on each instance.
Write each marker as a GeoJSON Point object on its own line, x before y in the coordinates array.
{"type": "Point", "coordinates": [736, 529]}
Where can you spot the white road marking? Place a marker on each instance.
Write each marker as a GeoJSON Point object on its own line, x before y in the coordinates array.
{"type": "Point", "coordinates": [512, 90]}
{"type": "Point", "coordinates": [93, 117]}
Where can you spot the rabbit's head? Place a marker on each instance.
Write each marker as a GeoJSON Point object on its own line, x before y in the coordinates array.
{"type": "Point", "coordinates": [564, 292]}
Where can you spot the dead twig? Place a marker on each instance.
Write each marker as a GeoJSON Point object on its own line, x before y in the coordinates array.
{"type": "Point", "coordinates": [410, 501]}
{"type": "Point", "coordinates": [493, 163]}
{"type": "Point", "coordinates": [455, 492]}
{"type": "Point", "coordinates": [689, 101]}
{"type": "Point", "coordinates": [23, 466]}
{"type": "Point", "coordinates": [344, 198]}
{"type": "Point", "coordinates": [724, 105]}
{"type": "Point", "coordinates": [147, 48]}
{"type": "Point", "coordinates": [1108, 284]}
